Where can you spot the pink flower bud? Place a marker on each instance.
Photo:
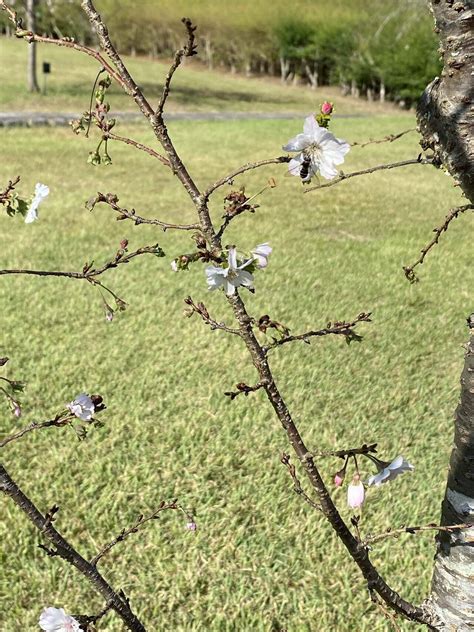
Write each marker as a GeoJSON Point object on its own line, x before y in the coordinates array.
{"type": "Point", "coordinates": [191, 526]}
{"type": "Point", "coordinates": [355, 493]}
{"type": "Point", "coordinates": [17, 410]}
{"type": "Point", "coordinates": [326, 108]}
{"type": "Point", "coordinates": [338, 479]}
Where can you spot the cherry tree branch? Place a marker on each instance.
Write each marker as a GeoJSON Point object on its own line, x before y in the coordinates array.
{"type": "Point", "coordinates": [65, 550]}
{"type": "Point", "coordinates": [248, 167]}
{"type": "Point", "coordinates": [138, 524]}
{"type": "Point", "coordinates": [5, 194]}
{"type": "Point", "coordinates": [188, 50]}
{"type": "Point", "coordinates": [201, 310]}
{"type": "Point", "coordinates": [243, 389]}
{"type": "Point", "coordinates": [338, 328]}
{"type": "Point", "coordinates": [35, 425]}
{"type": "Point", "coordinates": [394, 165]}
{"type": "Point", "coordinates": [67, 42]}
{"type": "Point", "coordinates": [395, 533]}
{"type": "Point", "coordinates": [453, 214]}
{"type": "Point", "coordinates": [112, 200]}
{"type": "Point", "coordinates": [386, 139]}
{"type": "Point", "coordinates": [129, 141]}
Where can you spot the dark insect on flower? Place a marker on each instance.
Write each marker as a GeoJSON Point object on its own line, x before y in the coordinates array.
{"type": "Point", "coordinates": [305, 167]}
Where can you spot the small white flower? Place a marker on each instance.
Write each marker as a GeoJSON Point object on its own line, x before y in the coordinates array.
{"type": "Point", "coordinates": [174, 265]}
{"type": "Point", "coordinates": [318, 146]}
{"type": "Point", "coordinates": [261, 254]}
{"type": "Point", "coordinates": [82, 407]}
{"type": "Point", "coordinates": [56, 620]}
{"type": "Point", "coordinates": [355, 493]}
{"type": "Point", "coordinates": [389, 471]}
{"type": "Point", "coordinates": [229, 278]}
{"type": "Point", "coordinates": [41, 193]}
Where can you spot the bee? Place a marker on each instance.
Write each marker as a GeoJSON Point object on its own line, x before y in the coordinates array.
{"type": "Point", "coordinates": [304, 169]}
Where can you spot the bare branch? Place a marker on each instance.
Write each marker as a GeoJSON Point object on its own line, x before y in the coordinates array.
{"type": "Point", "coordinates": [4, 195]}
{"type": "Point", "coordinates": [139, 522]}
{"type": "Point", "coordinates": [248, 167]}
{"type": "Point", "coordinates": [386, 139]}
{"type": "Point", "coordinates": [201, 310]}
{"type": "Point", "coordinates": [395, 533]}
{"type": "Point", "coordinates": [188, 50]}
{"type": "Point", "coordinates": [285, 459]}
{"type": "Point", "coordinates": [338, 328]}
{"type": "Point", "coordinates": [342, 454]}
{"type": "Point", "coordinates": [137, 145]}
{"type": "Point", "coordinates": [243, 389]}
{"type": "Point", "coordinates": [453, 213]}
{"type": "Point", "coordinates": [353, 174]}
{"type": "Point", "coordinates": [67, 552]}
{"type": "Point", "coordinates": [112, 200]}
{"type": "Point", "coordinates": [35, 425]}
{"type": "Point", "coordinates": [67, 42]}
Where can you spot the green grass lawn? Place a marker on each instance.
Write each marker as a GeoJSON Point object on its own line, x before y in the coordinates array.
{"type": "Point", "coordinates": [261, 559]}
{"type": "Point", "coordinates": [194, 89]}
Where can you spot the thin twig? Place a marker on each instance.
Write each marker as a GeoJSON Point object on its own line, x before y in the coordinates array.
{"type": "Point", "coordinates": [386, 139]}
{"type": "Point", "coordinates": [137, 145]}
{"type": "Point", "coordinates": [4, 195]}
{"type": "Point", "coordinates": [67, 42]}
{"type": "Point", "coordinates": [35, 425]}
{"type": "Point", "coordinates": [342, 454]}
{"type": "Point", "coordinates": [201, 310]}
{"type": "Point", "coordinates": [338, 328]}
{"type": "Point", "coordinates": [248, 167]}
{"type": "Point", "coordinates": [65, 550]}
{"type": "Point", "coordinates": [112, 200]}
{"type": "Point", "coordinates": [395, 533]}
{"type": "Point", "coordinates": [298, 489]}
{"type": "Point", "coordinates": [188, 50]}
{"type": "Point", "coordinates": [139, 522]}
{"type": "Point", "coordinates": [453, 213]}
{"type": "Point", "coordinates": [388, 614]}
{"type": "Point", "coordinates": [353, 174]}
{"type": "Point", "coordinates": [243, 389]}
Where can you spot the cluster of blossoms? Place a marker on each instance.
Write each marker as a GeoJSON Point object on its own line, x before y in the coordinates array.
{"type": "Point", "coordinates": [386, 471]}
{"type": "Point", "coordinates": [56, 620]}
{"type": "Point", "coordinates": [41, 193]}
{"type": "Point", "coordinates": [82, 407]}
{"type": "Point", "coordinates": [237, 273]}
{"type": "Point", "coordinates": [319, 151]}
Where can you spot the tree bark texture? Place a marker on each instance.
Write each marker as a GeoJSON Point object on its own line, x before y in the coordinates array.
{"type": "Point", "coordinates": [446, 122]}
{"type": "Point", "coordinates": [446, 111]}
{"type": "Point", "coordinates": [453, 579]}
{"type": "Point", "coordinates": [30, 26]}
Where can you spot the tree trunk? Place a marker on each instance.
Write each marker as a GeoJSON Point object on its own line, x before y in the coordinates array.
{"type": "Point", "coordinates": [445, 111]}
{"type": "Point", "coordinates": [382, 92]}
{"type": "Point", "coordinates": [446, 123]}
{"type": "Point", "coordinates": [453, 579]}
{"type": "Point", "coordinates": [30, 26]}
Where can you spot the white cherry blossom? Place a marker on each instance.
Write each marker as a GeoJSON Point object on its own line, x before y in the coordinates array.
{"type": "Point", "coordinates": [231, 277]}
{"type": "Point", "coordinates": [319, 147]}
{"type": "Point", "coordinates": [41, 193]}
{"type": "Point", "coordinates": [355, 493]}
{"type": "Point", "coordinates": [261, 254]}
{"type": "Point", "coordinates": [56, 620]}
{"type": "Point", "coordinates": [82, 407]}
{"type": "Point", "coordinates": [389, 471]}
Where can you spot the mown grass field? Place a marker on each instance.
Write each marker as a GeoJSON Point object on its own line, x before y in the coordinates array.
{"type": "Point", "coordinates": [194, 89]}
{"type": "Point", "coordinates": [261, 559]}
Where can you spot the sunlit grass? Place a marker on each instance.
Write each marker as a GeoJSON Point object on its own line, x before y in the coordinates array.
{"type": "Point", "coordinates": [261, 559]}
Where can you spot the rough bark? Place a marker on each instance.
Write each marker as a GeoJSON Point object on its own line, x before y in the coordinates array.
{"type": "Point", "coordinates": [453, 578]}
{"type": "Point", "coordinates": [445, 112]}
{"type": "Point", "coordinates": [446, 122]}
{"type": "Point", "coordinates": [30, 26]}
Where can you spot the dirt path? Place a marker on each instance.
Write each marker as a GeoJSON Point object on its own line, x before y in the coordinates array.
{"type": "Point", "coordinates": [30, 119]}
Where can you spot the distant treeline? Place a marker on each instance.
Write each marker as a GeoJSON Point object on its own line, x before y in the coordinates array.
{"type": "Point", "coordinates": [381, 49]}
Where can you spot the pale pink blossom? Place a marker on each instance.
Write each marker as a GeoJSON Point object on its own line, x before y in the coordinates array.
{"type": "Point", "coordinates": [56, 620]}
{"type": "Point", "coordinates": [389, 471]}
{"type": "Point", "coordinates": [261, 254]}
{"type": "Point", "coordinates": [355, 493]}
{"type": "Point", "coordinates": [231, 277]}
{"type": "Point", "coordinates": [41, 193]}
{"type": "Point", "coordinates": [317, 148]}
{"type": "Point", "coordinates": [82, 407]}
{"type": "Point", "coordinates": [191, 526]}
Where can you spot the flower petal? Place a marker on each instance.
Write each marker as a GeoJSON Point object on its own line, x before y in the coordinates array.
{"type": "Point", "coordinates": [310, 126]}
{"type": "Point", "coordinates": [298, 143]}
